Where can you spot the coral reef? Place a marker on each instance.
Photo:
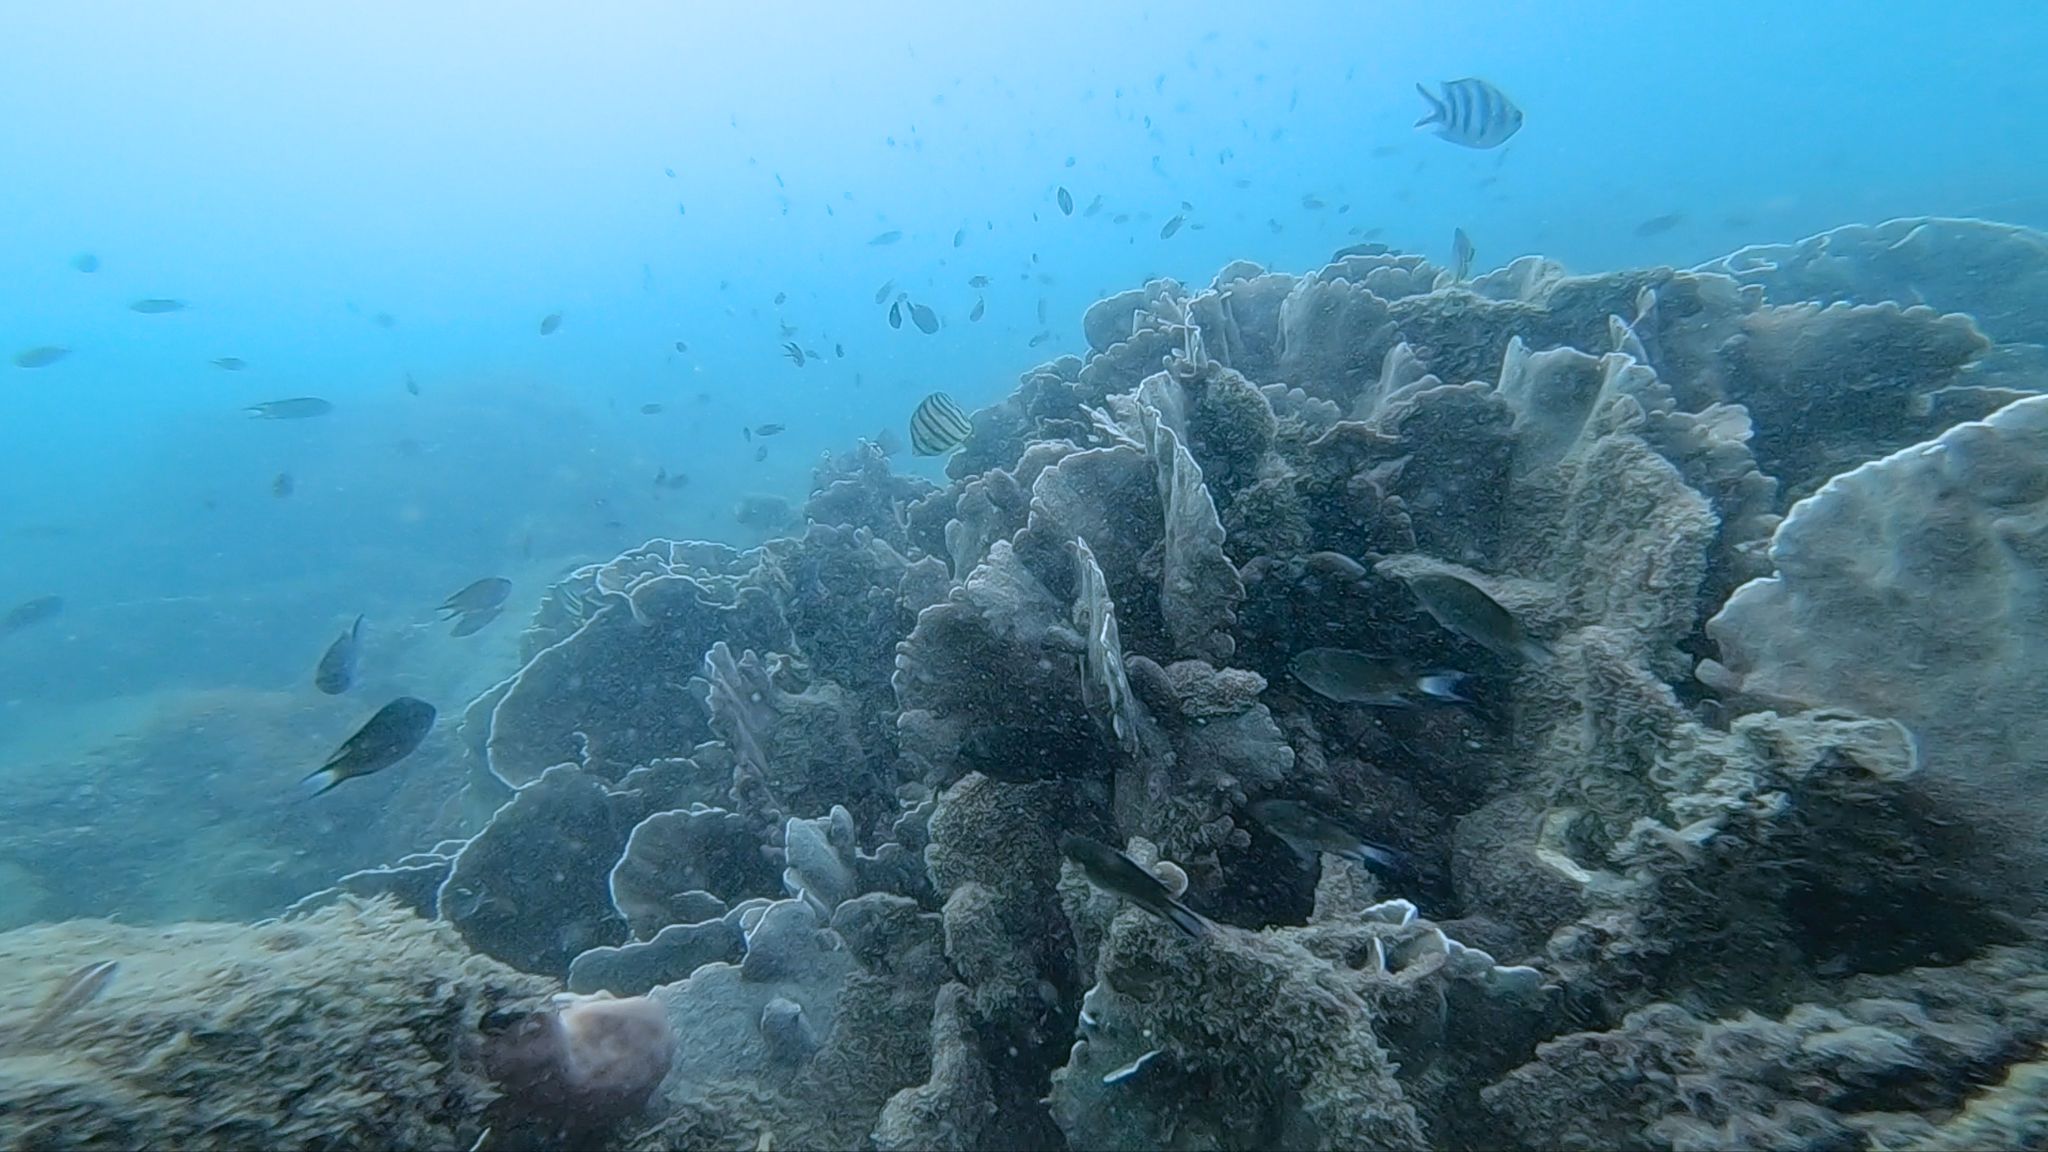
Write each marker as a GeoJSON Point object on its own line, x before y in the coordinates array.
{"type": "Point", "coordinates": [1733, 845]}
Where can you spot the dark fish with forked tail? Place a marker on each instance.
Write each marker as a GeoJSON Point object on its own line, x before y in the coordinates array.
{"type": "Point", "coordinates": [1119, 875]}
{"type": "Point", "coordinates": [29, 613]}
{"type": "Point", "coordinates": [1471, 112]}
{"type": "Point", "coordinates": [477, 596]}
{"type": "Point", "coordinates": [1465, 608]}
{"type": "Point", "coordinates": [391, 735]}
{"type": "Point", "coordinates": [1308, 832]}
{"type": "Point", "coordinates": [337, 669]}
{"type": "Point", "coordinates": [80, 988]}
{"type": "Point", "coordinates": [296, 408]}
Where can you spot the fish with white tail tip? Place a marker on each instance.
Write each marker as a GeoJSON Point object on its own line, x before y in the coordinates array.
{"type": "Point", "coordinates": [1309, 832]}
{"type": "Point", "coordinates": [394, 733]}
{"type": "Point", "coordinates": [1351, 677]}
{"type": "Point", "coordinates": [1119, 875]}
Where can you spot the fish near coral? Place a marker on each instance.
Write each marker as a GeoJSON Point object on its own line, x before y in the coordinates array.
{"type": "Point", "coordinates": [1351, 677]}
{"type": "Point", "coordinates": [583, 1063]}
{"type": "Point", "coordinates": [80, 988]}
{"type": "Point", "coordinates": [1309, 832]}
{"type": "Point", "coordinates": [477, 596]}
{"type": "Point", "coordinates": [1119, 875]}
{"type": "Point", "coordinates": [1465, 608]}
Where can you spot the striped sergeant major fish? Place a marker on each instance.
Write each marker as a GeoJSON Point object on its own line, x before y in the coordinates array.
{"type": "Point", "coordinates": [1471, 112]}
{"type": "Point", "coordinates": [938, 426]}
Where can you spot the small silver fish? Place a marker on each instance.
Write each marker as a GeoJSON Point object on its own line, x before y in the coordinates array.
{"type": "Point", "coordinates": [882, 293]}
{"type": "Point", "coordinates": [549, 323]}
{"type": "Point", "coordinates": [1465, 608]}
{"type": "Point", "coordinates": [884, 239]}
{"type": "Point", "coordinates": [1066, 202]}
{"type": "Point", "coordinates": [1352, 677]}
{"type": "Point", "coordinates": [1471, 112]}
{"type": "Point", "coordinates": [980, 309]}
{"type": "Point", "coordinates": [157, 306]}
{"type": "Point", "coordinates": [296, 408]}
{"type": "Point", "coordinates": [230, 363]}
{"type": "Point", "coordinates": [1462, 253]}
{"type": "Point", "coordinates": [1119, 875]}
{"type": "Point", "coordinates": [1171, 226]}
{"type": "Point", "coordinates": [1308, 832]}
{"type": "Point", "coordinates": [78, 989]}
{"type": "Point", "coordinates": [927, 321]}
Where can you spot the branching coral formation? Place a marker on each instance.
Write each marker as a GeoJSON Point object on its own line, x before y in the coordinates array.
{"type": "Point", "coordinates": [1742, 567]}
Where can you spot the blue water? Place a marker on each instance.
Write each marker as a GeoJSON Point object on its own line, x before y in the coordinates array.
{"type": "Point", "coordinates": [292, 171]}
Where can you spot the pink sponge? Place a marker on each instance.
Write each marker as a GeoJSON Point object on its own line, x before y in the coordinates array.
{"type": "Point", "coordinates": [582, 1062]}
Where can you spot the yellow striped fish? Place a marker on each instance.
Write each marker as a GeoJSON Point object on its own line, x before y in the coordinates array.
{"type": "Point", "coordinates": [938, 426]}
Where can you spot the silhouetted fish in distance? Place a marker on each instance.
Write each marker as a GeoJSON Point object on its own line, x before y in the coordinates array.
{"type": "Point", "coordinates": [296, 408]}
{"type": "Point", "coordinates": [41, 357]}
{"type": "Point", "coordinates": [336, 672]}
{"type": "Point", "coordinates": [29, 613]}
{"type": "Point", "coordinates": [477, 596]}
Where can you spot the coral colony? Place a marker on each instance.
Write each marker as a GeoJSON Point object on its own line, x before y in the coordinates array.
{"type": "Point", "coordinates": [1737, 572]}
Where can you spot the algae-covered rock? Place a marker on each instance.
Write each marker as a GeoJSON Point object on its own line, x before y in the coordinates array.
{"type": "Point", "coordinates": [354, 1027]}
